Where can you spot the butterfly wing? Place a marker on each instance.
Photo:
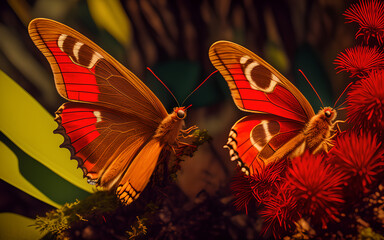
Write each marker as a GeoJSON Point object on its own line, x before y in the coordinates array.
{"type": "Point", "coordinates": [255, 138]}
{"type": "Point", "coordinates": [256, 86]}
{"type": "Point", "coordinates": [282, 111]}
{"type": "Point", "coordinates": [84, 72]}
{"type": "Point", "coordinates": [111, 116]}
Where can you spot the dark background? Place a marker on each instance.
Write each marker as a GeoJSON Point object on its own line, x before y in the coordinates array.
{"type": "Point", "coordinates": [173, 38]}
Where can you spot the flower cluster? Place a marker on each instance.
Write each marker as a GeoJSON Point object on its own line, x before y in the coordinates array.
{"type": "Point", "coordinates": [316, 187]}
{"type": "Point", "coordinates": [326, 190]}
{"type": "Point", "coordinates": [360, 158]}
{"type": "Point", "coordinates": [370, 16]}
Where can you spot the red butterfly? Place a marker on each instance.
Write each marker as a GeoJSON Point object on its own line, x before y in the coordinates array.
{"type": "Point", "coordinates": [114, 125]}
{"type": "Point", "coordinates": [284, 125]}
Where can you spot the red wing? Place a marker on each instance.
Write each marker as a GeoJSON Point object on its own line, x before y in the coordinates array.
{"type": "Point", "coordinates": [112, 115]}
{"type": "Point", "coordinates": [256, 86]}
{"type": "Point", "coordinates": [256, 137]}
{"type": "Point", "coordinates": [104, 143]}
{"type": "Point", "coordinates": [86, 73]}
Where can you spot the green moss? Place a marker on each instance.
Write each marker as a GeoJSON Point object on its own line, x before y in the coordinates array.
{"type": "Point", "coordinates": [55, 222]}
{"type": "Point", "coordinates": [201, 136]}
{"type": "Point", "coordinates": [138, 229]}
{"type": "Point", "coordinates": [369, 234]}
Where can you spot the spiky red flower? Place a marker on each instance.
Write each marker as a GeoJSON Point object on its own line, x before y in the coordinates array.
{"type": "Point", "coordinates": [359, 157]}
{"type": "Point", "coordinates": [370, 16]}
{"type": "Point", "coordinates": [267, 181]}
{"type": "Point", "coordinates": [280, 213]}
{"type": "Point", "coordinates": [359, 60]}
{"type": "Point", "coordinates": [242, 191]}
{"type": "Point", "coordinates": [366, 103]}
{"type": "Point", "coordinates": [258, 186]}
{"type": "Point", "coordinates": [316, 187]}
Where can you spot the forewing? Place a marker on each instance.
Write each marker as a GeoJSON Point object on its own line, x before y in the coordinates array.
{"type": "Point", "coordinates": [256, 86]}
{"type": "Point", "coordinates": [255, 138]}
{"type": "Point", "coordinates": [103, 142]}
{"type": "Point", "coordinates": [84, 72]}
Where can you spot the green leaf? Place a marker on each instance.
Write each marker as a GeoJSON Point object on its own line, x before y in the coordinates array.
{"type": "Point", "coordinates": [26, 123]}
{"type": "Point", "coordinates": [9, 172]}
{"type": "Point", "coordinates": [111, 16]}
{"type": "Point", "coordinates": [48, 182]}
{"type": "Point", "coordinates": [14, 226]}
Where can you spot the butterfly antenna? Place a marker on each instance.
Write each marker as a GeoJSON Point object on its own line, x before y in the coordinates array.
{"type": "Point", "coordinates": [198, 86]}
{"type": "Point", "coordinates": [164, 86]}
{"type": "Point", "coordinates": [311, 86]}
{"type": "Point", "coordinates": [190, 105]}
{"type": "Point", "coordinates": [342, 95]}
{"type": "Point", "coordinates": [339, 107]}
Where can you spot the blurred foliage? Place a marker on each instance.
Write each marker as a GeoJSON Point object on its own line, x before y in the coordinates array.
{"type": "Point", "coordinates": [111, 16]}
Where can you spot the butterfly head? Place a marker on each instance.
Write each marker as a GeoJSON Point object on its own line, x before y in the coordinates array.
{"type": "Point", "coordinates": [328, 113]}
{"type": "Point", "coordinates": [181, 112]}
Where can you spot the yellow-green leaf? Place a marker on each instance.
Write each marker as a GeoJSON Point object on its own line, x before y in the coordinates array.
{"type": "Point", "coordinates": [9, 172]}
{"type": "Point", "coordinates": [30, 127]}
{"type": "Point", "coordinates": [111, 16]}
{"type": "Point", "coordinates": [15, 226]}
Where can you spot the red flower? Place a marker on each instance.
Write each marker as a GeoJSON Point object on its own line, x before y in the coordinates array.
{"type": "Point", "coordinates": [316, 187]}
{"type": "Point", "coordinates": [242, 190]}
{"type": "Point", "coordinates": [359, 60]}
{"type": "Point", "coordinates": [267, 180]}
{"type": "Point", "coordinates": [360, 158]}
{"type": "Point", "coordinates": [258, 186]}
{"type": "Point", "coordinates": [370, 16]}
{"type": "Point", "coordinates": [366, 103]}
{"type": "Point", "coordinates": [280, 214]}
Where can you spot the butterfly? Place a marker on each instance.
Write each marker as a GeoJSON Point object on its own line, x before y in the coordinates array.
{"type": "Point", "coordinates": [113, 124]}
{"type": "Point", "coordinates": [283, 125]}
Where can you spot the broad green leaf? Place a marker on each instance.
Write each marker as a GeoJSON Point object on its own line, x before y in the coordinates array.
{"type": "Point", "coordinates": [9, 172]}
{"type": "Point", "coordinates": [111, 16]}
{"type": "Point", "coordinates": [30, 127]}
{"type": "Point", "coordinates": [15, 226]}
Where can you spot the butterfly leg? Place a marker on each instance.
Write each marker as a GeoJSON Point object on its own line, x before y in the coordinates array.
{"type": "Point", "coordinates": [337, 124]}
{"type": "Point", "coordinates": [186, 133]}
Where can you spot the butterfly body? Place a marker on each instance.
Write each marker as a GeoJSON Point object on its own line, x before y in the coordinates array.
{"type": "Point", "coordinates": [169, 129]}
{"type": "Point", "coordinates": [315, 137]}
{"type": "Point", "coordinates": [112, 124]}
{"type": "Point", "coordinates": [283, 123]}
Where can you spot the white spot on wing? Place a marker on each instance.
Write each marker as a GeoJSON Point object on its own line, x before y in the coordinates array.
{"type": "Point", "coordinates": [96, 56]}
{"type": "Point", "coordinates": [60, 41]}
{"type": "Point", "coordinates": [97, 115]}
{"type": "Point", "coordinates": [268, 136]}
{"type": "Point", "coordinates": [244, 59]}
{"type": "Point", "coordinates": [253, 82]}
{"type": "Point", "coordinates": [76, 49]}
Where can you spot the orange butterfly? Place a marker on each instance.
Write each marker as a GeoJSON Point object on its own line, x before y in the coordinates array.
{"type": "Point", "coordinates": [114, 125]}
{"type": "Point", "coordinates": [284, 124]}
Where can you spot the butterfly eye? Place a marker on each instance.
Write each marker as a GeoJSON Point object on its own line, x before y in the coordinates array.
{"type": "Point", "coordinates": [181, 114]}
{"type": "Point", "coordinates": [327, 114]}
